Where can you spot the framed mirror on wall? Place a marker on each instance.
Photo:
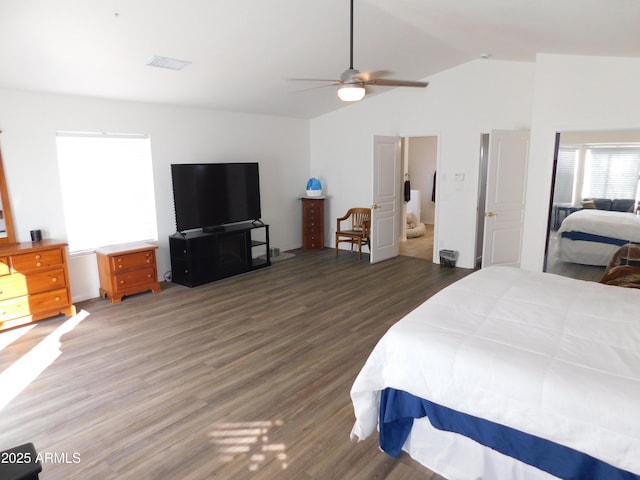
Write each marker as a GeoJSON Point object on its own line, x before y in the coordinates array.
{"type": "Point", "coordinates": [595, 203]}
{"type": "Point", "coordinates": [7, 235]}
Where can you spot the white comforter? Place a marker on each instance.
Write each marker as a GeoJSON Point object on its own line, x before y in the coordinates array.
{"type": "Point", "coordinates": [622, 225]}
{"type": "Point", "coordinates": [547, 355]}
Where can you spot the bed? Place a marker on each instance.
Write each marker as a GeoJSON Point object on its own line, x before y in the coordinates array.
{"type": "Point", "coordinates": [510, 374]}
{"type": "Point", "coordinates": [591, 237]}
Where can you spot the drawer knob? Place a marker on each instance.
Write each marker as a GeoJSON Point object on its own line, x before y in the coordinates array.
{"type": "Point", "coordinates": [57, 299]}
{"type": "Point", "coordinates": [148, 260]}
{"type": "Point", "coordinates": [38, 256]}
{"type": "Point", "coordinates": [121, 282]}
{"type": "Point", "coordinates": [119, 259]}
{"type": "Point", "coordinates": [119, 266]}
{"type": "Point", "coordinates": [54, 279]}
{"type": "Point", "coordinates": [38, 264]}
{"type": "Point", "coordinates": [148, 275]}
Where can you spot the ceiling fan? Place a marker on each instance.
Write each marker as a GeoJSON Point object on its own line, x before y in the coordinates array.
{"type": "Point", "coordinates": [353, 83]}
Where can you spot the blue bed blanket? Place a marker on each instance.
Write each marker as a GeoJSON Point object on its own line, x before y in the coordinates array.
{"type": "Point", "coordinates": [398, 409]}
{"type": "Point", "coordinates": [589, 237]}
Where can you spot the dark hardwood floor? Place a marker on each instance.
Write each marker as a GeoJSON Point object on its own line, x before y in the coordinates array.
{"type": "Point", "coordinates": [248, 377]}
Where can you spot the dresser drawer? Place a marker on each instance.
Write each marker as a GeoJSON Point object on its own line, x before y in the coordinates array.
{"type": "Point", "coordinates": [309, 203]}
{"type": "Point", "coordinates": [53, 300]}
{"type": "Point", "coordinates": [132, 260]}
{"type": "Point", "coordinates": [36, 260]}
{"type": "Point", "coordinates": [313, 220]}
{"type": "Point", "coordinates": [5, 268]}
{"type": "Point", "coordinates": [14, 308]}
{"type": "Point", "coordinates": [33, 304]}
{"type": "Point", "coordinates": [314, 242]}
{"type": "Point", "coordinates": [18, 284]}
{"type": "Point", "coordinates": [314, 226]}
{"type": "Point", "coordinates": [141, 276]}
{"type": "Point", "coordinates": [34, 282]}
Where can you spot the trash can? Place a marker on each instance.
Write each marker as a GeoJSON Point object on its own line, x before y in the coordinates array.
{"type": "Point", "coordinates": [448, 258]}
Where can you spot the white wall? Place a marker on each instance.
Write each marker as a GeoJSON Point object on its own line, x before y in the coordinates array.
{"type": "Point", "coordinates": [557, 93]}
{"type": "Point", "coordinates": [29, 122]}
{"type": "Point", "coordinates": [457, 107]}
{"type": "Point", "coordinates": [572, 93]}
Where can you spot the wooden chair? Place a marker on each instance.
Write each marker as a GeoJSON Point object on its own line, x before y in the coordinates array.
{"type": "Point", "coordinates": [623, 269]}
{"type": "Point", "coordinates": [356, 229]}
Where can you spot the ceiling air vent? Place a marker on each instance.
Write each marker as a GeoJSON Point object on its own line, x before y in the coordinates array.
{"type": "Point", "coordinates": [164, 62]}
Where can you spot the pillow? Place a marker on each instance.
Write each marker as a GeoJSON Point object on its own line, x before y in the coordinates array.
{"type": "Point", "coordinates": [588, 204]}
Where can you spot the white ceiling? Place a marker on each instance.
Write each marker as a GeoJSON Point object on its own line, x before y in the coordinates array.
{"type": "Point", "coordinates": [244, 52]}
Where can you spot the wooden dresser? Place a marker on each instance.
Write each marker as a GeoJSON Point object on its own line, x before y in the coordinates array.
{"type": "Point", "coordinates": [127, 269]}
{"type": "Point", "coordinates": [312, 223]}
{"type": "Point", "coordinates": [34, 282]}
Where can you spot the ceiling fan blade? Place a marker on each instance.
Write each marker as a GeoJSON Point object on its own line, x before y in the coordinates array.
{"type": "Point", "coordinates": [315, 87]}
{"type": "Point", "coordinates": [335, 82]}
{"type": "Point", "coordinates": [368, 76]}
{"type": "Point", "coordinates": [353, 80]}
{"type": "Point", "coordinates": [396, 83]}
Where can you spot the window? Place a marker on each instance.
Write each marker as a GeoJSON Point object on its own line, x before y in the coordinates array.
{"type": "Point", "coordinates": [611, 172]}
{"type": "Point", "coordinates": [565, 174]}
{"type": "Point", "coordinates": [107, 189]}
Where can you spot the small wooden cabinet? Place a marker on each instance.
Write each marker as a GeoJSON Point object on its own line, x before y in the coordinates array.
{"type": "Point", "coordinates": [34, 282]}
{"type": "Point", "coordinates": [312, 223]}
{"type": "Point", "coordinates": [126, 270]}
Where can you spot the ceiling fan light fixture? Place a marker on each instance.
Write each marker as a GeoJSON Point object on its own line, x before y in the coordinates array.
{"type": "Point", "coordinates": [351, 92]}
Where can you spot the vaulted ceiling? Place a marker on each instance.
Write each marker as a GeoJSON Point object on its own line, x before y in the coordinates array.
{"type": "Point", "coordinates": [243, 53]}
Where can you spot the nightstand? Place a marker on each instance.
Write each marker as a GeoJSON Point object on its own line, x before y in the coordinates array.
{"type": "Point", "coordinates": [127, 269]}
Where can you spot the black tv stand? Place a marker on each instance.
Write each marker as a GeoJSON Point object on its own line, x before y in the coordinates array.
{"type": "Point", "coordinates": [203, 256]}
{"type": "Point", "coordinates": [214, 229]}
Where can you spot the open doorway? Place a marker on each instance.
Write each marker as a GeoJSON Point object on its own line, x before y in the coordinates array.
{"type": "Point", "coordinates": [419, 158]}
{"type": "Point", "coordinates": [482, 196]}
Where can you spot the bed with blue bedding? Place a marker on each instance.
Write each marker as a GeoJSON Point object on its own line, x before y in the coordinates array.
{"type": "Point", "coordinates": [510, 374]}
{"type": "Point", "coordinates": [591, 237]}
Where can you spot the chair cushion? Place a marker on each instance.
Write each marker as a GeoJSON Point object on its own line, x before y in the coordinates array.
{"type": "Point", "coordinates": [623, 204]}
{"type": "Point", "coordinates": [601, 203]}
{"type": "Point", "coordinates": [622, 276]}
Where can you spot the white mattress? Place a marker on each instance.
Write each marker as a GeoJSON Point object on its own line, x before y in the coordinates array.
{"type": "Point", "coordinates": [620, 225]}
{"type": "Point", "coordinates": [551, 356]}
{"type": "Point", "coordinates": [585, 253]}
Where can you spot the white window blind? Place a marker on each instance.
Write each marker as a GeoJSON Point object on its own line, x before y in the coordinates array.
{"type": "Point", "coordinates": [611, 172]}
{"type": "Point", "coordinates": [107, 189]}
{"type": "Point", "coordinates": [565, 175]}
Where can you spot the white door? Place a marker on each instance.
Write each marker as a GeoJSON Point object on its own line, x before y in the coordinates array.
{"type": "Point", "coordinates": [386, 198]}
{"type": "Point", "coordinates": [504, 209]}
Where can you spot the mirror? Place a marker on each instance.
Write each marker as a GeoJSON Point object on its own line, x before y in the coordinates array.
{"type": "Point", "coordinates": [595, 201]}
{"type": "Point", "coordinates": [7, 235]}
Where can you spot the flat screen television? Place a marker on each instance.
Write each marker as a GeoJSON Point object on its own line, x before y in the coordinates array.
{"type": "Point", "coordinates": [208, 195]}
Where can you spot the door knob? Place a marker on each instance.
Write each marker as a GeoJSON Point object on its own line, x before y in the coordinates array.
{"type": "Point", "coordinates": [491, 214]}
